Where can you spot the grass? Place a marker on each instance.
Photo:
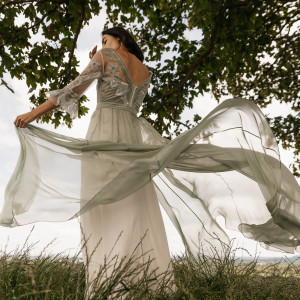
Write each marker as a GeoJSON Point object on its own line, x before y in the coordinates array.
{"type": "Point", "coordinates": [57, 276]}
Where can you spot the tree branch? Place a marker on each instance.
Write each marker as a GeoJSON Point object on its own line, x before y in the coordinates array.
{"type": "Point", "coordinates": [28, 28]}
{"type": "Point", "coordinates": [178, 122]}
{"type": "Point", "coordinates": [7, 3]}
{"type": "Point", "coordinates": [197, 60]}
{"type": "Point", "coordinates": [16, 2]}
{"type": "Point", "coordinates": [71, 54]}
{"type": "Point", "coordinates": [237, 4]}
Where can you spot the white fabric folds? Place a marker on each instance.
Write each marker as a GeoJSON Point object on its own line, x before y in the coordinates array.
{"type": "Point", "coordinates": [227, 165]}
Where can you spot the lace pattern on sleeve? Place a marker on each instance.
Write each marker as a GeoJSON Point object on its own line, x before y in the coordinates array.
{"type": "Point", "coordinates": [67, 97]}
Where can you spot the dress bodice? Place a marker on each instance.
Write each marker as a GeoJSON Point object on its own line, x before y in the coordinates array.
{"type": "Point", "coordinates": [116, 87]}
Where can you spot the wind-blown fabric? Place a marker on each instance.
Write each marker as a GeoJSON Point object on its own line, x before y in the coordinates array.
{"type": "Point", "coordinates": [228, 165]}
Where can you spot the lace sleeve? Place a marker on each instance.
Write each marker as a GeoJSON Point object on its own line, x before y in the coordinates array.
{"type": "Point", "coordinates": [67, 97]}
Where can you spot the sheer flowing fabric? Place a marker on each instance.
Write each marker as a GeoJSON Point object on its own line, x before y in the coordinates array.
{"type": "Point", "coordinates": [227, 165]}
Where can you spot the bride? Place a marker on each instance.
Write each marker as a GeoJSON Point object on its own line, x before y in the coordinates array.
{"type": "Point", "coordinates": [115, 178]}
{"type": "Point", "coordinates": [125, 80]}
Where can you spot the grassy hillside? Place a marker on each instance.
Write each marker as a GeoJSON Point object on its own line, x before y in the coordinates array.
{"type": "Point", "coordinates": [49, 276]}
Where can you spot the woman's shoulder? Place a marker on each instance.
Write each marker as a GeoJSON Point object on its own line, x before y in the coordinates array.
{"type": "Point", "coordinates": [131, 62]}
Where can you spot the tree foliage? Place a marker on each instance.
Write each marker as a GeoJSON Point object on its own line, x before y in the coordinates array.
{"type": "Point", "coordinates": [48, 61]}
{"type": "Point", "coordinates": [245, 48]}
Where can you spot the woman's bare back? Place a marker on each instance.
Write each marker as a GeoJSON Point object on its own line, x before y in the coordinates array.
{"type": "Point", "coordinates": [137, 70]}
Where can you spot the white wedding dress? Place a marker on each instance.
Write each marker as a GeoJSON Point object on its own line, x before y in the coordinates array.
{"type": "Point", "coordinates": [115, 178]}
{"type": "Point", "coordinates": [136, 216]}
{"type": "Point", "coordinates": [133, 225]}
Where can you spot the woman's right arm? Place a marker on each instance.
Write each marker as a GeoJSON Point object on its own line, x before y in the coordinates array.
{"type": "Point", "coordinates": [23, 120]}
{"type": "Point", "coordinates": [65, 99]}
{"type": "Point", "coordinates": [43, 108]}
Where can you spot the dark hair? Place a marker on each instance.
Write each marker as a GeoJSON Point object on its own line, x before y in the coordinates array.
{"type": "Point", "coordinates": [127, 39]}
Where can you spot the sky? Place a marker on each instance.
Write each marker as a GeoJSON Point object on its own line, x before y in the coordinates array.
{"type": "Point", "coordinates": [65, 236]}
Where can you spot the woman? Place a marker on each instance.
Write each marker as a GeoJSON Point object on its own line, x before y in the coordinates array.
{"type": "Point", "coordinates": [226, 165]}
{"type": "Point", "coordinates": [137, 214]}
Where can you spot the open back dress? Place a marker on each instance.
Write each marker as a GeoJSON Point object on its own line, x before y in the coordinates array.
{"type": "Point", "coordinates": [114, 179]}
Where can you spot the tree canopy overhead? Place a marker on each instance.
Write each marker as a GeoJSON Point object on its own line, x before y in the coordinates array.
{"type": "Point", "coordinates": [245, 48]}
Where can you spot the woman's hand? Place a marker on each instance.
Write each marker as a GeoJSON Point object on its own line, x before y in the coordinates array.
{"type": "Point", "coordinates": [23, 120]}
{"type": "Point", "coordinates": [92, 53]}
